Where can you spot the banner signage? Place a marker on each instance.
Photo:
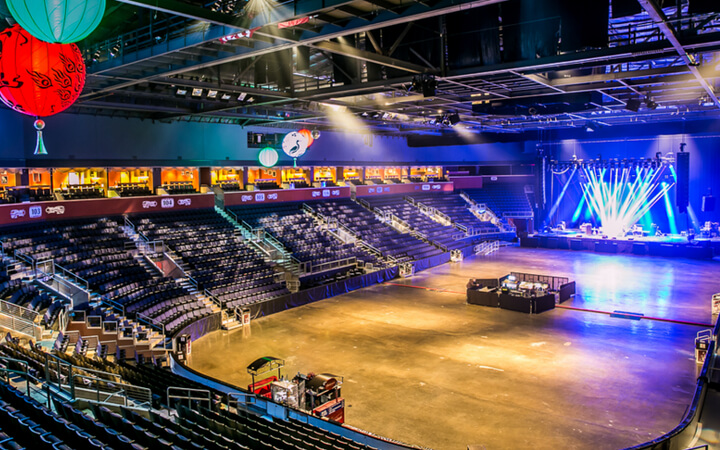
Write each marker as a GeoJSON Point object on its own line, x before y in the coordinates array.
{"type": "Point", "coordinates": [285, 195]}
{"type": "Point", "coordinates": [31, 212]}
{"type": "Point", "coordinates": [407, 188]}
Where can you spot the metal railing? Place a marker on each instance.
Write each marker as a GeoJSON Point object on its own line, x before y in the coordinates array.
{"type": "Point", "coordinates": [487, 247]}
{"type": "Point", "coordinates": [75, 279]}
{"type": "Point", "coordinates": [189, 395]}
{"type": "Point", "coordinates": [317, 268]}
{"type": "Point", "coordinates": [18, 311]}
{"type": "Point", "coordinates": [21, 325]}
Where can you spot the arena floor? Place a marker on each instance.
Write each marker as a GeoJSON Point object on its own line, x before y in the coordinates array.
{"type": "Point", "coordinates": [425, 368]}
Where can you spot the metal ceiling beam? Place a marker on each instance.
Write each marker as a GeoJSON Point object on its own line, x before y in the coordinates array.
{"type": "Point", "coordinates": [415, 12]}
{"type": "Point", "coordinates": [191, 12]}
{"type": "Point", "coordinates": [363, 55]}
{"type": "Point", "coordinates": [657, 15]}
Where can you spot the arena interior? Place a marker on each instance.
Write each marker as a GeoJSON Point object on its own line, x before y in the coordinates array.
{"type": "Point", "coordinates": [359, 224]}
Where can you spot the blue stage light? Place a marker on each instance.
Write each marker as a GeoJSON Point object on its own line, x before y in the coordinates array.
{"type": "Point", "coordinates": [616, 201]}
{"type": "Point", "coordinates": [669, 210]}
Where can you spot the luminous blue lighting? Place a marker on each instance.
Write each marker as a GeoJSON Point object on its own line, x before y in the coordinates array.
{"type": "Point", "coordinates": [619, 203]}
{"type": "Point", "coordinates": [560, 197]}
{"type": "Point", "coordinates": [669, 210]}
{"type": "Point", "coordinates": [578, 210]}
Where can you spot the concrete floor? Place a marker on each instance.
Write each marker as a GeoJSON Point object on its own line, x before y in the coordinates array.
{"type": "Point", "coordinates": [425, 368]}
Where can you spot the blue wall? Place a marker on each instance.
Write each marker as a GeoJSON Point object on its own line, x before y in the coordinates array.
{"type": "Point", "coordinates": [95, 138]}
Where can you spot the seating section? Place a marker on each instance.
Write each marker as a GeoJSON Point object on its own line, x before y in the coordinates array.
{"type": "Point", "coordinates": [26, 423]}
{"type": "Point", "coordinates": [419, 222]}
{"type": "Point", "coordinates": [93, 249]}
{"type": "Point", "coordinates": [299, 233]}
{"type": "Point", "coordinates": [132, 189]}
{"type": "Point", "coordinates": [503, 199]}
{"type": "Point", "coordinates": [216, 258]}
{"type": "Point", "coordinates": [263, 184]}
{"type": "Point", "coordinates": [298, 183]}
{"type": "Point", "coordinates": [81, 191]}
{"type": "Point", "coordinates": [370, 229]}
{"type": "Point", "coordinates": [179, 188]}
{"type": "Point", "coordinates": [229, 186]}
{"type": "Point", "coordinates": [453, 206]}
{"type": "Point", "coordinates": [32, 297]}
{"type": "Point", "coordinates": [19, 194]}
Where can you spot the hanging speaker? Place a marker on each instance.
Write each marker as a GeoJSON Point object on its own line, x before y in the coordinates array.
{"type": "Point", "coordinates": [683, 181]}
{"type": "Point", "coordinates": [708, 203]}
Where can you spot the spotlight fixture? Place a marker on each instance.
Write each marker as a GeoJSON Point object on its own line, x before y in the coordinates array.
{"type": "Point", "coordinates": [242, 96]}
{"type": "Point", "coordinates": [225, 96]}
{"type": "Point", "coordinates": [197, 92]}
{"type": "Point", "coordinates": [181, 91]}
{"type": "Point", "coordinates": [650, 103]}
{"type": "Point", "coordinates": [212, 94]}
{"type": "Point", "coordinates": [454, 119]}
{"type": "Point", "coordinates": [591, 126]}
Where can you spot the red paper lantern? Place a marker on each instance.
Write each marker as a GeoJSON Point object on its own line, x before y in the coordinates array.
{"type": "Point", "coordinates": [308, 135]}
{"type": "Point", "coordinates": [37, 78]}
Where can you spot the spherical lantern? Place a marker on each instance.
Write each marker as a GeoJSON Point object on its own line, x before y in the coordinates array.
{"type": "Point", "coordinates": [307, 135]}
{"type": "Point", "coordinates": [37, 78]}
{"type": "Point", "coordinates": [58, 21]}
{"type": "Point", "coordinates": [268, 157]}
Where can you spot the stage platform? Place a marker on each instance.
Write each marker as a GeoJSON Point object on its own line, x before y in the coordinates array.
{"type": "Point", "coordinates": [674, 246]}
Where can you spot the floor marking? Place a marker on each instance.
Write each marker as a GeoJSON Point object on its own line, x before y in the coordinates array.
{"type": "Point", "coordinates": [572, 308]}
{"type": "Point", "coordinates": [491, 368]}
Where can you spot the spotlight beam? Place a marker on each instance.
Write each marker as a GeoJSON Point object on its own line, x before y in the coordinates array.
{"type": "Point", "coordinates": [618, 203]}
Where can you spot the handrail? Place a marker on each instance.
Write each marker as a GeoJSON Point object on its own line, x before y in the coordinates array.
{"type": "Point", "coordinates": [214, 299]}
{"type": "Point", "coordinates": [112, 303]}
{"type": "Point", "coordinates": [334, 264]}
{"type": "Point", "coordinates": [25, 372]}
{"type": "Point", "coordinates": [129, 224]}
{"type": "Point", "coordinates": [18, 311]}
{"type": "Point", "coordinates": [80, 281]}
{"type": "Point", "coordinates": [189, 397]}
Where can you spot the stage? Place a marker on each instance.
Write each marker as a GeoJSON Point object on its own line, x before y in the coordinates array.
{"type": "Point", "coordinates": [674, 246]}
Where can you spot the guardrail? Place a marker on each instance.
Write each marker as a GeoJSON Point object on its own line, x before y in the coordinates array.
{"type": "Point", "coordinates": [80, 281]}
{"type": "Point", "coordinates": [189, 394]}
{"type": "Point", "coordinates": [18, 311]}
{"type": "Point", "coordinates": [333, 264]}
{"type": "Point", "coordinates": [27, 259]}
{"type": "Point", "coordinates": [21, 325]}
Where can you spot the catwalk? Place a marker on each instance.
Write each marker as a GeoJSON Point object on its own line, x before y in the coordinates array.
{"type": "Point", "coordinates": [424, 368]}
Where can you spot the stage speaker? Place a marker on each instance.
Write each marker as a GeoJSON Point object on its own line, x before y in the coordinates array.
{"type": "Point", "coordinates": [682, 161]}
{"type": "Point", "coordinates": [708, 203]}
{"type": "Point", "coordinates": [633, 105]}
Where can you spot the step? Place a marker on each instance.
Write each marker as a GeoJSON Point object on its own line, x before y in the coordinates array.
{"type": "Point", "coordinates": [231, 325]}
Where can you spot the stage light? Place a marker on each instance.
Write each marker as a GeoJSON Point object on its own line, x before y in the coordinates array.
{"type": "Point", "coordinates": [181, 91]}
{"type": "Point", "coordinates": [242, 96]}
{"type": "Point", "coordinates": [225, 97]}
{"type": "Point", "coordinates": [197, 92]}
{"type": "Point", "coordinates": [454, 119]}
{"type": "Point", "coordinates": [212, 94]}
{"type": "Point", "coordinates": [650, 103]}
{"type": "Point", "coordinates": [669, 210]}
{"type": "Point", "coordinates": [591, 126]}
{"type": "Point", "coordinates": [617, 202]}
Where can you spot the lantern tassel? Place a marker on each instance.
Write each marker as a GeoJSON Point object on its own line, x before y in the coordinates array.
{"type": "Point", "coordinates": [40, 148]}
